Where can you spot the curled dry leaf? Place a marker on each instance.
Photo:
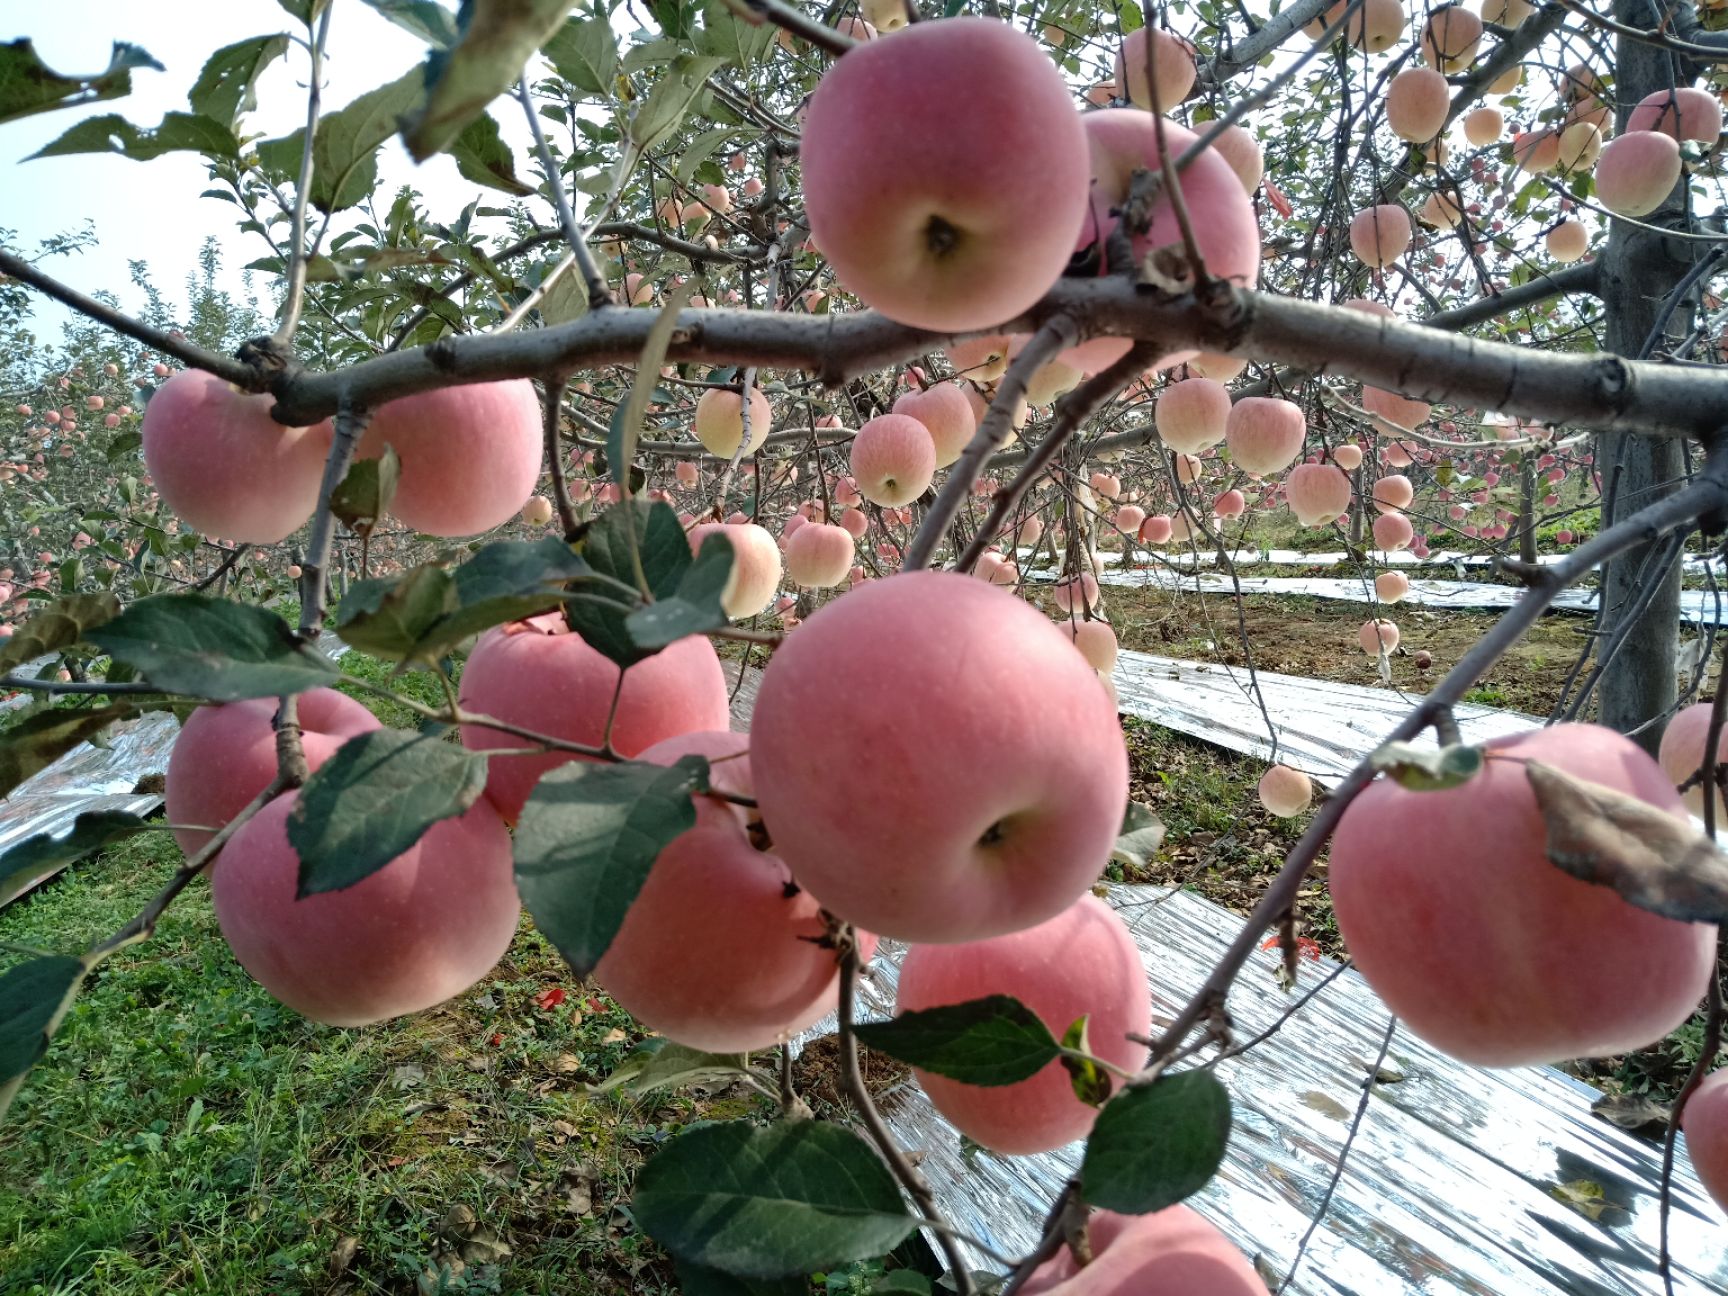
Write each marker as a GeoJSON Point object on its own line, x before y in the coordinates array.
{"type": "Point", "coordinates": [1651, 858]}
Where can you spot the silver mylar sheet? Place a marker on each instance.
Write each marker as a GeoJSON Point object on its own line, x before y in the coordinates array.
{"type": "Point", "coordinates": [1323, 728]}
{"type": "Point", "coordinates": [92, 777]}
{"type": "Point", "coordinates": [1702, 606]}
{"type": "Point", "coordinates": [1440, 559]}
{"type": "Point", "coordinates": [1457, 1181]}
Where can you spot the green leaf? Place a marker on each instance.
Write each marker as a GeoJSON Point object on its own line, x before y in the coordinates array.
{"type": "Point", "coordinates": [35, 743]}
{"type": "Point", "coordinates": [794, 1197]}
{"type": "Point", "coordinates": [901, 1282]}
{"type": "Point", "coordinates": [661, 1064]}
{"type": "Point", "coordinates": [585, 53]}
{"type": "Point", "coordinates": [510, 580]}
{"type": "Point", "coordinates": [565, 300]}
{"type": "Point", "coordinates": [1156, 1144]}
{"type": "Point", "coordinates": [1427, 769]}
{"type": "Point", "coordinates": [428, 20]}
{"type": "Point", "coordinates": [28, 85]}
{"type": "Point", "coordinates": [392, 618]}
{"type": "Point", "coordinates": [696, 1280]}
{"type": "Point", "coordinates": [373, 800]}
{"type": "Point", "coordinates": [701, 149]}
{"type": "Point", "coordinates": [307, 11]}
{"type": "Point", "coordinates": [363, 496]}
{"type": "Point", "coordinates": [227, 87]}
{"type": "Point", "coordinates": [43, 853]}
{"type": "Point", "coordinates": [674, 91]}
{"type": "Point", "coordinates": [726, 36]}
{"type": "Point", "coordinates": [345, 147]}
{"type": "Point", "coordinates": [483, 157]}
{"type": "Point", "coordinates": [214, 649]}
{"type": "Point", "coordinates": [599, 611]}
{"type": "Point", "coordinates": [677, 18]}
{"type": "Point", "coordinates": [1142, 834]}
{"type": "Point", "coordinates": [59, 625]}
{"type": "Point", "coordinates": [34, 996]}
{"type": "Point", "coordinates": [996, 1040]}
{"type": "Point", "coordinates": [586, 840]}
{"type": "Point", "coordinates": [178, 133]}
{"type": "Point", "coordinates": [1091, 1083]}
{"type": "Point", "coordinates": [694, 608]}
{"type": "Point", "coordinates": [498, 38]}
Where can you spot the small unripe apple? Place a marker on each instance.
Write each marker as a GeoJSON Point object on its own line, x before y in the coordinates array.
{"type": "Point", "coordinates": [1285, 792]}
{"type": "Point", "coordinates": [537, 512]}
{"type": "Point", "coordinates": [719, 422]}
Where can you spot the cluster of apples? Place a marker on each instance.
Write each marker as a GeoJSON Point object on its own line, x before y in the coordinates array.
{"type": "Point", "coordinates": [1013, 181]}
{"type": "Point", "coordinates": [470, 457]}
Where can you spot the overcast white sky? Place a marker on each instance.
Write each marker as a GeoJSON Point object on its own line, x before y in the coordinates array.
{"type": "Point", "coordinates": [151, 210]}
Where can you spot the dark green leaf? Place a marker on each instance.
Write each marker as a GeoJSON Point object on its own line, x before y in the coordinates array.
{"type": "Point", "coordinates": [1142, 834]}
{"type": "Point", "coordinates": [498, 38]}
{"type": "Point", "coordinates": [307, 11]}
{"type": "Point", "coordinates": [996, 1040]}
{"type": "Point", "coordinates": [677, 18]}
{"type": "Point", "coordinates": [344, 150]}
{"type": "Point", "coordinates": [726, 36]}
{"type": "Point", "coordinates": [695, 607]}
{"type": "Point", "coordinates": [428, 20]}
{"type": "Point", "coordinates": [509, 580]}
{"type": "Point", "coordinates": [35, 856]}
{"type": "Point", "coordinates": [59, 625]}
{"type": "Point", "coordinates": [391, 618]}
{"type": "Point", "coordinates": [670, 98]}
{"type": "Point", "coordinates": [586, 840]}
{"type": "Point", "coordinates": [364, 494]}
{"type": "Point", "coordinates": [210, 648]}
{"type": "Point", "coordinates": [770, 1203]}
{"type": "Point", "coordinates": [35, 743]}
{"type": "Point", "coordinates": [28, 85]}
{"type": "Point", "coordinates": [702, 147]}
{"type": "Point", "coordinates": [694, 1280]}
{"type": "Point", "coordinates": [178, 133]}
{"type": "Point", "coordinates": [901, 1282]}
{"type": "Point", "coordinates": [483, 157]}
{"type": "Point", "coordinates": [34, 996]}
{"type": "Point", "coordinates": [373, 800]}
{"type": "Point", "coordinates": [226, 87]}
{"type": "Point", "coordinates": [664, 548]}
{"type": "Point", "coordinates": [585, 53]}
{"type": "Point", "coordinates": [1427, 769]}
{"type": "Point", "coordinates": [661, 1064]}
{"type": "Point", "coordinates": [1156, 1144]}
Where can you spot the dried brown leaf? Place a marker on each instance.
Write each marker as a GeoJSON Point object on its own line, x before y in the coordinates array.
{"type": "Point", "coordinates": [1651, 858]}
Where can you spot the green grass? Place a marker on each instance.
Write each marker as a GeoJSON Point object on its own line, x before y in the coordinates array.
{"type": "Point", "coordinates": [186, 1133]}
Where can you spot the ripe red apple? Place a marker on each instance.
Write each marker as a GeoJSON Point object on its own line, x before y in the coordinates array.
{"type": "Point", "coordinates": [1686, 113]}
{"type": "Point", "coordinates": [1095, 640]}
{"type": "Point", "coordinates": [1318, 493]}
{"type": "Point", "coordinates": [1451, 909]}
{"type": "Point", "coordinates": [977, 845]}
{"type": "Point", "coordinates": [1636, 171]}
{"type": "Point", "coordinates": [224, 465]}
{"type": "Point", "coordinates": [979, 229]}
{"type": "Point", "coordinates": [755, 574]}
{"type": "Point", "coordinates": [1417, 101]}
{"type": "Point", "coordinates": [1380, 235]}
{"type": "Point", "coordinates": [1568, 241]}
{"type": "Point", "coordinates": [1080, 963]}
{"type": "Point", "coordinates": [720, 951]}
{"type": "Point", "coordinates": [893, 460]}
{"type": "Point", "coordinates": [1450, 38]}
{"type": "Point", "coordinates": [543, 676]}
{"type": "Point", "coordinates": [946, 414]}
{"type": "Point", "coordinates": [819, 556]}
{"type": "Point", "coordinates": [1682, 755]}
{"type": "Point", "coordinates": [1393, 493]}
{"type": "Point", "coordinates": [1391, 586]}
{"type": "Point", "coordinates": [226, 755]}
{"type": "Point", "coordinates": [423, 928]}
{"type": "Point", "coordinates": [1265, 434]}
{"type": "Point", "coordinates": [1156, 529]}
{"type": "Point", "coordinates": [470, 455]}
{"type": "Point", "coordinates": [1706, 1124]}
{"type": "Point", "coordinates": [1172, 67]}
{"type": "Point", "coordinates": [1191, 414]}
{"type": "Point", "coordinates": [1347, 456]}
{"type": "Point", "coordinates": [1483, 126]}
{"type": "Point", "coordinates": [1375, 636]}
{"type": "Point", "coordinates": [1172, 1252]}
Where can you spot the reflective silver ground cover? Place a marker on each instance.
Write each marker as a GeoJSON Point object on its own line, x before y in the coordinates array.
{"type": "Point", "coordinates": [1456, 1181]}
{"type": "Point", "coordinates": [1702, 606]}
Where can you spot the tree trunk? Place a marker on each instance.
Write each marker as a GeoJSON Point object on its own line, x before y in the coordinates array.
{"type": "Point", "coordinates": [1639, 270]}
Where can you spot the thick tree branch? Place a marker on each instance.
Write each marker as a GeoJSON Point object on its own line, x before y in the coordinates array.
{"type": "Point", "coordinates": [1247, 53]}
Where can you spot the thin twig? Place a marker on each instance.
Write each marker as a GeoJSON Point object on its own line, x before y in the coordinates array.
{"type": "Point", "coordinates": [297, 253]}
